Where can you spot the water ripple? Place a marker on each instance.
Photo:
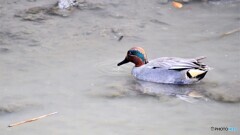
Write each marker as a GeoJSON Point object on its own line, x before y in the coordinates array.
{"type": "Point", "coordinates": [110, 68]}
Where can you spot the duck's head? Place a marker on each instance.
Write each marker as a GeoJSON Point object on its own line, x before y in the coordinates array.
{"type": "Point", "coordinates": [135, 55]}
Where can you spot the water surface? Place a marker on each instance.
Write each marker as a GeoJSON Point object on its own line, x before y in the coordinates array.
{"type": "Point", "coordinates": [68, 65]}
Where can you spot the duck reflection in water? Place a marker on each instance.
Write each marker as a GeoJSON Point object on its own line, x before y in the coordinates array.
{"type": "Point", "coordinates": [188, 93]}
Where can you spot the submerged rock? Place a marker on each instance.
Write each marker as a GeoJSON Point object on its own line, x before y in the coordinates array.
{"type": "Point", "coordinates": [59, 12]}
{"type": "Point", "coordinates": [35, 10]}
{"type": "Point", "coordinates": [63, 8]}
{"type": "Point", "coordinates": [4, 50]}
{"type": "Point", "coordinates": [15, 107]}
{"type": "Point", "coordinates": [31, 17]}
{"type": "Point", "coordinates": [38, 14]}
{"type": "Point", "coordinates": [156, 21]}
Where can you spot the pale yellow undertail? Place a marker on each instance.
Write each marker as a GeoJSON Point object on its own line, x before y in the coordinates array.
{"type": "Point", "coordinates": [195, 72]}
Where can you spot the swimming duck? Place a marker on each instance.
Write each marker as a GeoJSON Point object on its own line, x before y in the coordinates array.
{"type": "Point", "coordinates": [171, 70]}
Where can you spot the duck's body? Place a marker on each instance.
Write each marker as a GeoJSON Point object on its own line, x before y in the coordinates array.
{"type": "Point", "coordinates": [170, 70]}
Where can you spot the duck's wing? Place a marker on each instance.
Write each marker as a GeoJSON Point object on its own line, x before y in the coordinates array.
{"type": "Point", "coordinates": [174, 63]}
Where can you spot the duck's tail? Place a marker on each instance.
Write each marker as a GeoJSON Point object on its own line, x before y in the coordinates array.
{"type": "Point", "coordinates": [202, 65]}
{"type": "Point", "coordinates": [200, 58]}
{"type": "Point", "coordinates": [199, 72]}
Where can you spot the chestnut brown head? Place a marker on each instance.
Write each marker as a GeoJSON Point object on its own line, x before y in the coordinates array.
{"type": "Point", "coordinates": [135, 55]}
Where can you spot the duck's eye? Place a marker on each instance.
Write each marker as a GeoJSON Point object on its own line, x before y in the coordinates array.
{"type": "Point", "coordinates": [130, 53]}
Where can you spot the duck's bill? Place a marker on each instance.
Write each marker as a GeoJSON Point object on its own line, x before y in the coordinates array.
{"type": "Point", "coordinates": [123, 62]}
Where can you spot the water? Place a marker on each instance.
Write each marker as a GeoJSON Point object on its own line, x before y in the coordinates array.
{"type": "Point", "coordinates": [68, 65]}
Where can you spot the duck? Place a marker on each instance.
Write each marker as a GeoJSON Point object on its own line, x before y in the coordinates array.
{"type": "Point", "coordinates": [167, 70]}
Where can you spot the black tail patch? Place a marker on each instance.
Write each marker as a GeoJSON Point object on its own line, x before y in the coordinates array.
{"type": "Point", "coordinates": [189, 75]}
{"type": "Point", "coordinates": [201, 76]}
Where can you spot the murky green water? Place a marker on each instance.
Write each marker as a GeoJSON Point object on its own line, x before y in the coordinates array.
{"type": "Point", "coordinates": [68, 65]}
